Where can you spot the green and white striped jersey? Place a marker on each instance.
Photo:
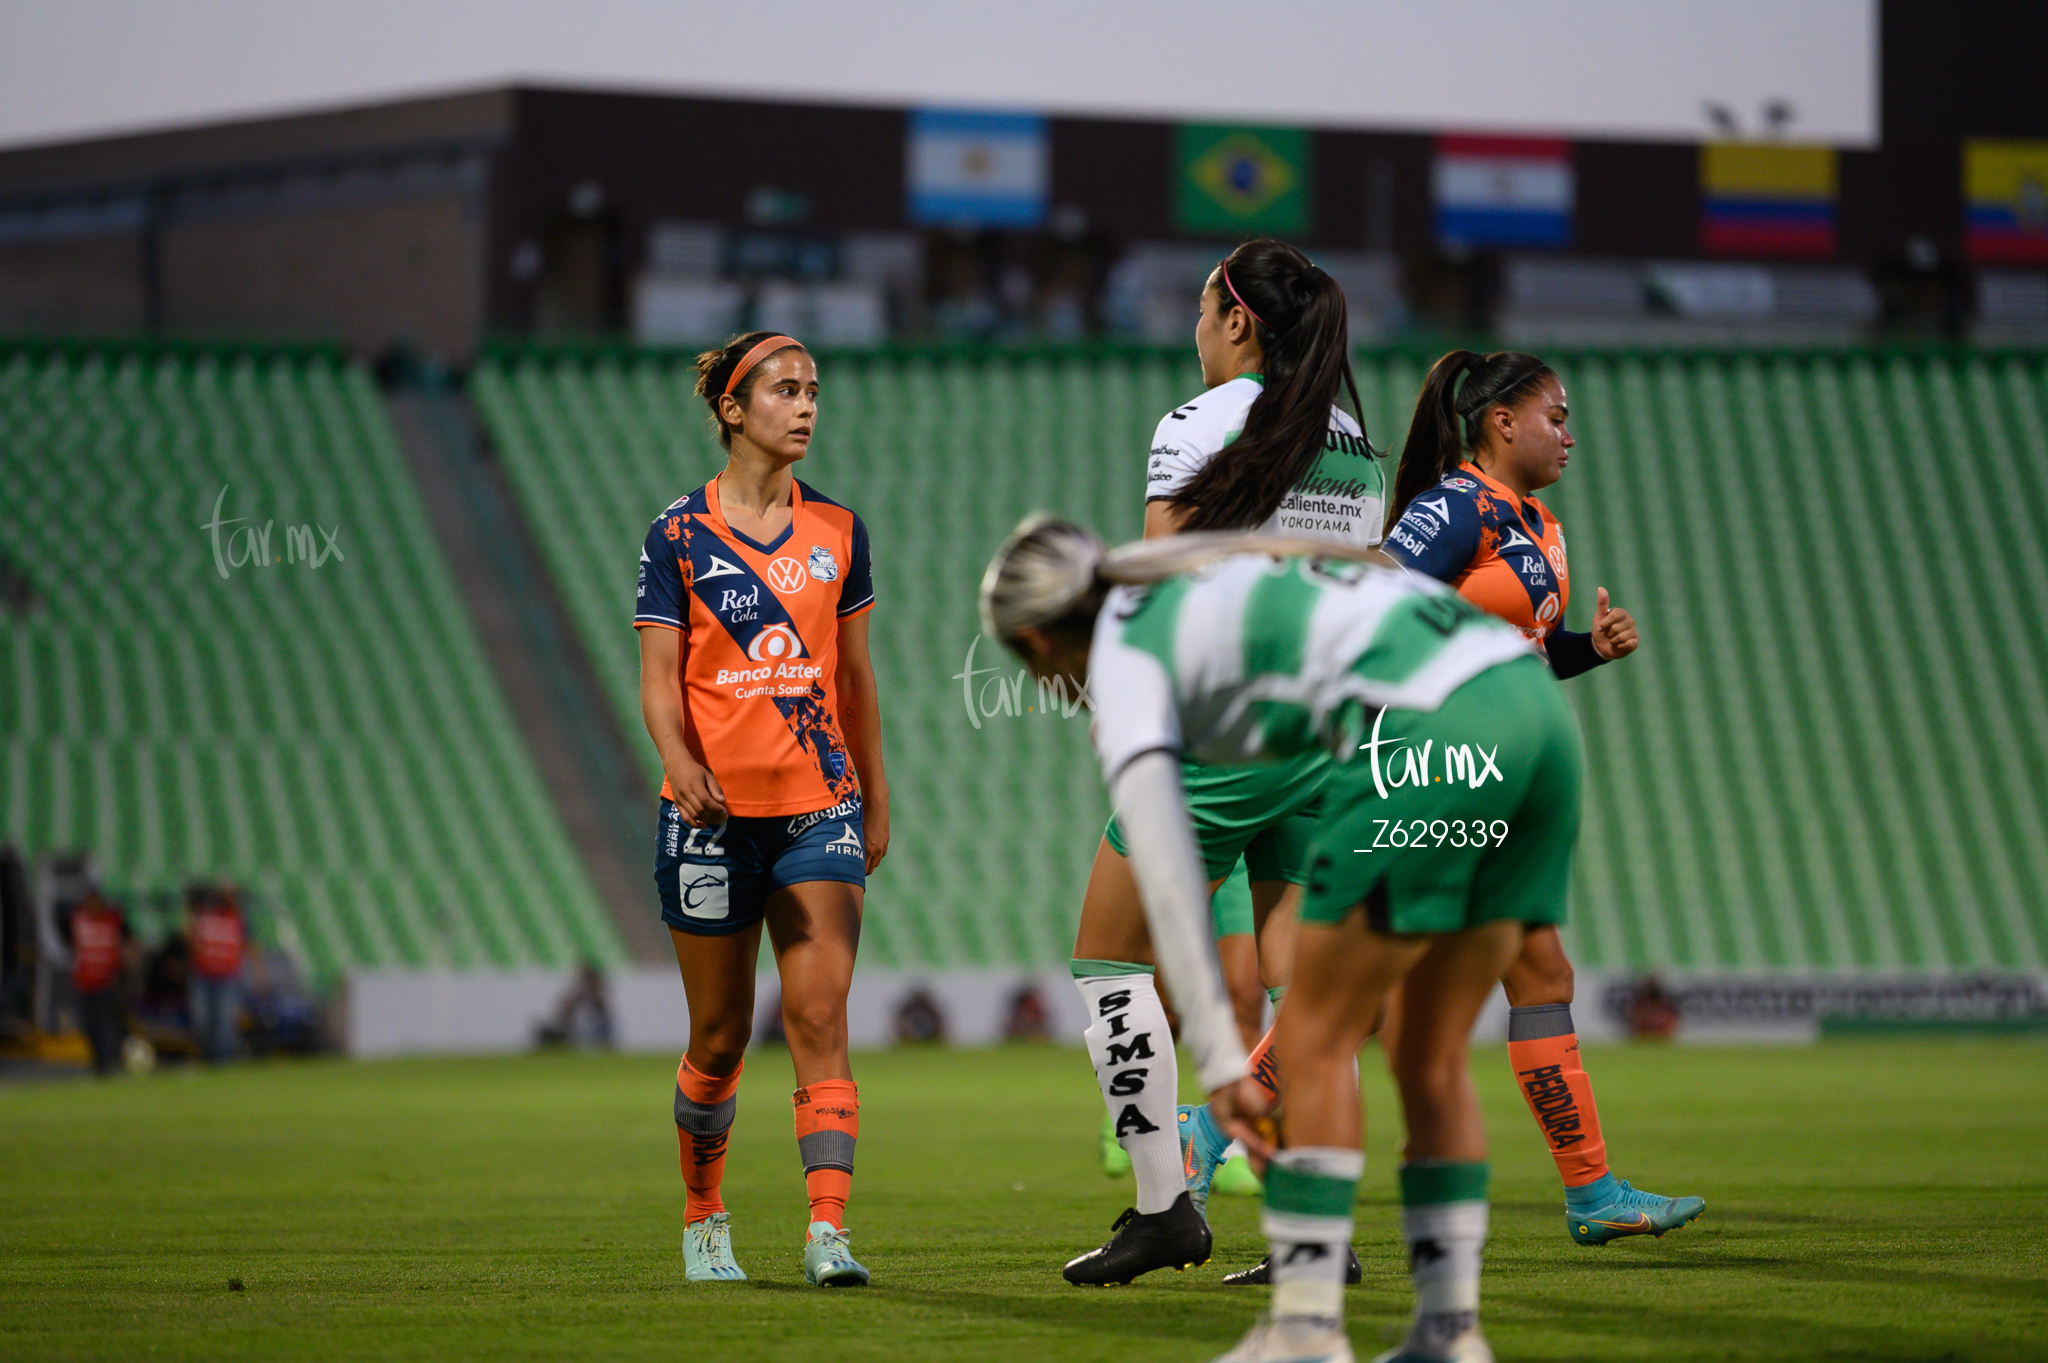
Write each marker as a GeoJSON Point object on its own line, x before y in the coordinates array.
{"type": "Point", "coordinates": [1254, 658]}
{"type": "Point", "coordinates": [1343, 498]}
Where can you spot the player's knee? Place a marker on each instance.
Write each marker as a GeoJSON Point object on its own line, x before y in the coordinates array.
{"type": "Point", "coordinates": [814, 1025]}
{"type": "Point", "coordinates": [1533, 983]}
{"type": "Point", "coordinates": [721, 1042]}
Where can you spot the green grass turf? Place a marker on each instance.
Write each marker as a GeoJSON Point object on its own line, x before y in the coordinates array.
{"type": "Point", "coordinates": [1865, 1201]}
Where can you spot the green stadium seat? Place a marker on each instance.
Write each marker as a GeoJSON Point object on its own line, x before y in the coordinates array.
{"type": "Point", "coordinates": [332, 739]}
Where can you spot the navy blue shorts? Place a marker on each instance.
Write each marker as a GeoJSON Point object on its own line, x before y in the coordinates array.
{"type": "Point", "coordinates": [717, 880]}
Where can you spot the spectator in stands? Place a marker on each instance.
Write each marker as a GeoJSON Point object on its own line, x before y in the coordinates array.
{"type": "Point", "coordinates": [216, 937]}
{"type": "Point", "coordinates": [279, 1010]}
{"type": "Point", "coordinates": [1027, 1019]}
{"type": "Point", "coordinates": [1652, 1012]}
{"type": "Point", "coordinates": [98, 935]}
{"type": "Point", "coordinates": [919, 1019]}
{"type": "Point", "coordinates": [583, 1015]}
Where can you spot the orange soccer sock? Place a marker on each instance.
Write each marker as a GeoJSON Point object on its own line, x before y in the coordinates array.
{"type": "Point", "coordinates": [1543, 1046]}
{"type": "Point", "coordinates": [827, 1122]}
{"type": "Point", "coordinates": [1265, 1067]}
{"type": "Point", "coordinates": [704, 1113]}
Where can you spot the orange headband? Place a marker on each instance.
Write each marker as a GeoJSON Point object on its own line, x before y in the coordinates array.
{"type": "Point", "coordinates": [766, 347]}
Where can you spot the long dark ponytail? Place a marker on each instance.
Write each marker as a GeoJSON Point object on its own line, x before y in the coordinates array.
{"type": "Point", "coordinates": [1449, 417]}
{"type": "Point", "coordinates": [1302, 325]}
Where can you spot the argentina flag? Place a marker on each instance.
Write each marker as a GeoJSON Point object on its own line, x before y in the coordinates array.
{"type": "Point", "coordinates": [974, 169]}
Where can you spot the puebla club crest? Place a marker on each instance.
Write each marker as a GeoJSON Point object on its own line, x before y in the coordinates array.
{"type": "Point", "coordinates": [824, 567]}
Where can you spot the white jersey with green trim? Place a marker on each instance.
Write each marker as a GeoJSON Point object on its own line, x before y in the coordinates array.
{"type": "Point", "coordinates": [1255, 658]}
{"type": "Point", "coordinates": [1342, 499]}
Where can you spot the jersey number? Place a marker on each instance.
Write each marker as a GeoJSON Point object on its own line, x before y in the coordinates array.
{"type": "Point", "coordinates": [710, 848]}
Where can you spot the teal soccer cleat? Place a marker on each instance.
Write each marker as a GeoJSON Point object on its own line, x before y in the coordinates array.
{"type": "Point", "coordinates": [707, 1251]}
{"type": "Point", "coordinates": [1608, 1209]}
{"type": "Point", "coordinates": [827, 1260]}
{"type": "Point", "coordinates": [1202, 1144]}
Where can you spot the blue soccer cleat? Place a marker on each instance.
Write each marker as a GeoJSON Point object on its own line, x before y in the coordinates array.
{"type": "Point", "coordinates": [707, 1251]}
{"type": "Point", "coordinates": [1202, 1144]}
{"type": "Point", "coordinates": [827, 1260]}
{"type": "Point", "coordinates": [1608, 1209]}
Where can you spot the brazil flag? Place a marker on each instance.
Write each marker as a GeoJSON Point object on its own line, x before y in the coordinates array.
{"type": "Point", "coordinates": [1236, 181]}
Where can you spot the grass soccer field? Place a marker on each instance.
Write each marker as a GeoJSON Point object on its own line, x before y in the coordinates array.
{"type": "Point", "coordinates": [1865, 1201]}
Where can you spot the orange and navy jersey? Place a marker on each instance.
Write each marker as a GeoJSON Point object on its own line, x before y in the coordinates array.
{"type": "Point", "coordinates": [1504, 554]}
{"type": "Point", "coordinates": [760, 626]}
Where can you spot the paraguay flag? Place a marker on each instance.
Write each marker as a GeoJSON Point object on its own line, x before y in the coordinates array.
{"type": "Point", "coordinates": [2005, 187]}
{"type": "Point", "coordinates": [1767, 199]}
{"type": "Point", "coordinates": [974, 169]}
{"type": "Point", "coordinates": [1503, 191]}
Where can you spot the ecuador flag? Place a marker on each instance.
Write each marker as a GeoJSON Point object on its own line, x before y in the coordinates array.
{"type": "Point", "coordinates": [2005, 191]}
{"type": "Point", "coordinates": [1767, 199]}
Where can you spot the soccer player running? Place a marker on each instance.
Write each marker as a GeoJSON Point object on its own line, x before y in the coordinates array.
{"type": "Point", "coordinates": [1230, 649]}
{"type": "Point", "coordinates": [1265, 446]}
{"type": "Point", "coordinates": [1489, 432]}
{"type": "Point", "coordinates": [756, 686]}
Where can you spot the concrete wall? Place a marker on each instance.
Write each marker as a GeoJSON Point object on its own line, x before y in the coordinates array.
{"type": "Point", "coordinates": [89, 285]}
{"type": "Point", "coordinates": [367, 273]}
{"type": "Point", "coordinates": [398, 1012]}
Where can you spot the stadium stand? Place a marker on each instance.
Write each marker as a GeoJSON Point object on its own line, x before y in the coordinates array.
{"type": "Point", "coordinates": [1825, 758]}
{"type": "Point", "coordinates": [323, 730]}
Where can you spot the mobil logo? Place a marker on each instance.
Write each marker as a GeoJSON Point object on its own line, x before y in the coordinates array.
{"type": "Point", "coordinates": [787, 575]}
{"type": "Point", "coordinates": [771, 642]}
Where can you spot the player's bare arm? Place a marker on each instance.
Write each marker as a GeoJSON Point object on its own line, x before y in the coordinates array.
{"type": "Point", "coordinates": [696, 790]}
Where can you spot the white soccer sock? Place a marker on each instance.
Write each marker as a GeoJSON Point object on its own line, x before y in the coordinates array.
{"type": "Point", "coordinates": [1309, 1194]}
{"type": "Point", "coordinates": [1131, 1047]}
{"type": "Point", "coordinates": [1444, 1244]}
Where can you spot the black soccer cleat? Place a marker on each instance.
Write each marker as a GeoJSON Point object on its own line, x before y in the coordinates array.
{"type": "Point", "coordinates": [1260, 1274]}
{"type": "Point", "coordinates": [1175, 1238]}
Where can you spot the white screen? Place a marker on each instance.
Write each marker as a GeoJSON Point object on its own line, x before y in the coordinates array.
{"type": "Point", "coordinates": [1601, 68]}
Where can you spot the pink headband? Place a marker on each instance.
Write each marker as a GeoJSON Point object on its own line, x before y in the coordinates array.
{"type": "Point", "coordinates": [767, 347]}
{"type": "Point", "coordinates": [1240, 297]}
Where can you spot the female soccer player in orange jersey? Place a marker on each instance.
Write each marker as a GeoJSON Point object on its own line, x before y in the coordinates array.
{"type": "Point", "coordinates": [757, 689]}
{"type": "Point", "coordinates": [1489, 432]}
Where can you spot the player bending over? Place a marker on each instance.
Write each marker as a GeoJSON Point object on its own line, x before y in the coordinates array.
{"type": "Point", "coordinates": [1229, 649]}
{"type": "Point", "coordinates": [757, 690]}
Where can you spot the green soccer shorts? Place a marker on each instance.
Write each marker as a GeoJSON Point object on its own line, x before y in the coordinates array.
{"type": "Point", "coordinates": [1264, 814]}
{"type": "Point", "coordinates": [1230, 908]}
{"type": "Point", "coordinates": [1453, 817]}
